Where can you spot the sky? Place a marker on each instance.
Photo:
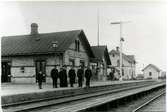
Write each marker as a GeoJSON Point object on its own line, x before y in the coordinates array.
{"type": "Point", "coordinates": [145, 34]}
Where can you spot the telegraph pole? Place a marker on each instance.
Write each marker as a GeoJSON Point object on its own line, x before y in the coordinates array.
{"type": "Point", "coordinates": [121, 42]}
{"type": "Point", "coordinates": [98, 27]}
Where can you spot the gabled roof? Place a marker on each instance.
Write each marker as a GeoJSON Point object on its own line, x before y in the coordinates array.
{"type": "Point", "coordinates": [100, 52]}
{"type": "Point", "coordinates": [42, 43]}
{"type": "Point", "coordinates": [129, 58]}
{"type": "Point", "coordinates": [153, 66]}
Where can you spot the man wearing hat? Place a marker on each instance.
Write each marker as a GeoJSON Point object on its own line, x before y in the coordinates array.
{"type": "Point", "coordinates": [54, 75]}
{"type": "Point", "coordinates": [63, 77]}
{"type": "Point", "coordinates": [39, 79]}
{"type": "Point", "coordinates": [72, 75]}
{"type": "Point", "coordinates": [88, 75]}
{"type": "Point", "coordinates": [80, 75]}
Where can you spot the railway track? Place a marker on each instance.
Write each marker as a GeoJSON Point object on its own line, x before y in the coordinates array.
{"type": "Point", "coordinates": [46, 102]}
{"type": "Point", "coordinates": [138, 109]}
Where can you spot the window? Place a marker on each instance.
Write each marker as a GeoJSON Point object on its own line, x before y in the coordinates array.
{"type": "Point", "coordinates": [113, 55]}
{"type": "Point", "coordinates": [150, 73]}
{"type": "Point", "coordinates": [77, 45]}
{"type": "Point", "coordinates": [118, 63]}
{"type": "Point", "coordinates": [122, 72]}
{"type": "Point", "coordinates": [22, 69]}
{"type": "Point", "coordinates": [55, 44]}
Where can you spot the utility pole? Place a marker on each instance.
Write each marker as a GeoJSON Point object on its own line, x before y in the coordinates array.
{"type": "Point", "coordinates": [98, 27]}
{"type": "Point", "coordinates": [121, 42]}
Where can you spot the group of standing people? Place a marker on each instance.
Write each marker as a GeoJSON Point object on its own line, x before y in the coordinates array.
{"type": "Point", "coordinates": [72, 74]}
{"type": "Point", "coordinates": [63, 77]}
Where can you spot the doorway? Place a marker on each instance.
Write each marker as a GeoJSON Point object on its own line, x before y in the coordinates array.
{"type": "Point", "coordinates": [71, 62]}
{"type": "Point", "coordinates": [40, 65]}
{"type": "Point", "coordinates": [6, 72]}
{"type": "Point", "coordinates": [82, 63]}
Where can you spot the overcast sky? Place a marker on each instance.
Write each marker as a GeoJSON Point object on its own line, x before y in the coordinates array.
{"type": "Point", "coordinates": [145, 35]}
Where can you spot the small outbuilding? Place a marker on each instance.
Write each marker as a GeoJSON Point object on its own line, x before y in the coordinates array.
{"type": "Point", "coordinates": [151, 72]}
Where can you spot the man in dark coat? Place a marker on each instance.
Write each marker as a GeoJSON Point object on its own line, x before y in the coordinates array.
{"type": "Point", "coordinates": [65, 82]}
{"type": "Point", "coordinates": [72, 75]}
{"type": "Point", "coordinates": [39, 79]}
{"type": "Point", "coordinates": [80, 75]}
{"type": "Point", "coordinates": [54, 74]}
{"type": "Point", "coordinates": [88, 75]}
{"type": "Point", "coordinates": [63, 77]}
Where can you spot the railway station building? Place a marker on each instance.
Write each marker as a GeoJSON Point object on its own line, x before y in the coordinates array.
{"type": "Point", "coordinates": [102, 62]}
{"type": "Point", "coordinates": [25, 55]}
{"type": "Point", "coordinates": [128, 64]}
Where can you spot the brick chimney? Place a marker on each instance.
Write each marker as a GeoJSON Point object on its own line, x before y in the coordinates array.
{"type": "Point", "coordinates": [117, 48]}
{"type": "Point", "coordinates": [34, 28]}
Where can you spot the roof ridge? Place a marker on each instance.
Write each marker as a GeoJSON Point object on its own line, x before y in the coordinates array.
{"type": "Point", "coordinates": [45, 33]}
{"type": "Point", "coordinates": [99, 46]}
{"type": "Point", "coordinates": [126, 56]}
{"type": "Point", "coordinates": [158, 69]}
{"type": "Point", "coordinates": [62, 31]}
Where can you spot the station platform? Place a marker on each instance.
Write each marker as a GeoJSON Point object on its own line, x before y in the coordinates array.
{"type": "Point", "coordinates": [18, 88]}
{"type": "Point", "coordinates": [97, 94]}
{"type": "Point", "coordinates": [19, 93]}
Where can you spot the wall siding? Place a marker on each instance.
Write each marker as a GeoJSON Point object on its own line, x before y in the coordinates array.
{"type": "Point", "coordinates": [28, 62]}
{"type": "Point", "coordinates": [70, 53]}
{"type": "Point", "coordinates": [155, 73]}
{"type": "Point", "coordinates": [129, 68]}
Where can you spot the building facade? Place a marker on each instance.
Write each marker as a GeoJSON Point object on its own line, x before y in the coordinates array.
{"type": "Point", "coordinates": [128, 64]}
{"type": "Point", "coordinates": [24, 56]}
{"type": "Point", "coordinates": [102, 62]}
{"type": "Point", "coordinates": [151, 72]}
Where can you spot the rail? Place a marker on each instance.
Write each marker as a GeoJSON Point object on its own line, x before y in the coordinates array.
{"type": "Point", "coordinates": [146, 103]}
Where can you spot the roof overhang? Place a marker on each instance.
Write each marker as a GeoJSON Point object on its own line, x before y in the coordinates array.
{"type": "Point", "coordinates": [33, 54]}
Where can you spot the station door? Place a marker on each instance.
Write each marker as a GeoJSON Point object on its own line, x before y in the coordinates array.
{"type": "Point", "coordinates": [6, 72]}
{"type": "Point", "coordinates": [40, 65]}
